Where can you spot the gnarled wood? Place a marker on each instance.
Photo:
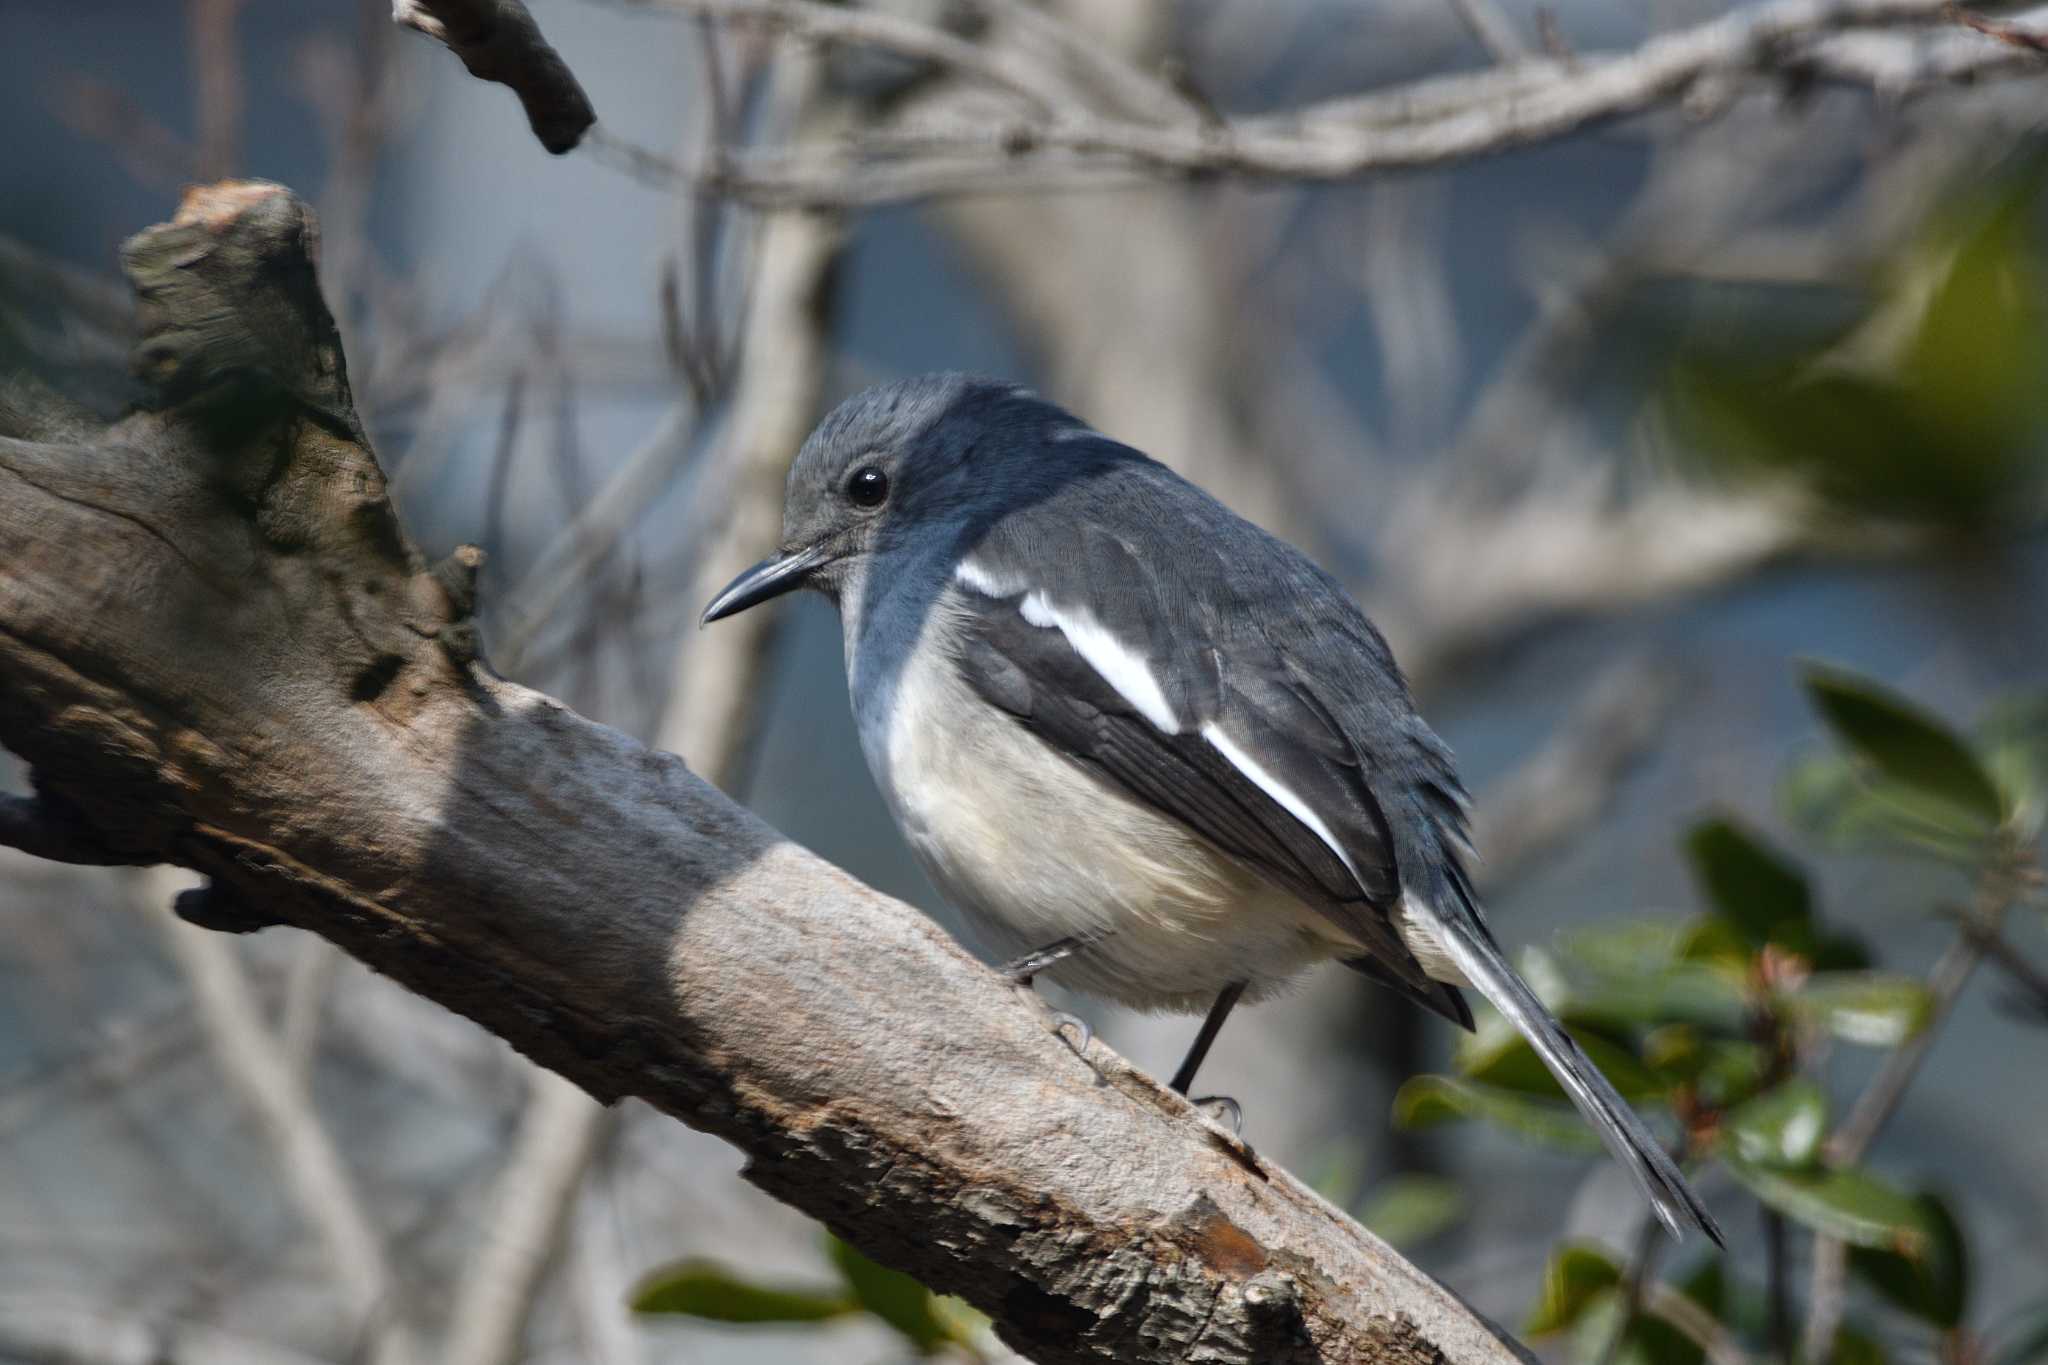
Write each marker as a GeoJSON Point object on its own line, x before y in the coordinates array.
{"type": "Point", "coordinates": [218, 649]}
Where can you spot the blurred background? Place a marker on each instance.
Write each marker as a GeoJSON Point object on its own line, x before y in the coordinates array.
{"type": "Point", "coordinates": [1610, 429]}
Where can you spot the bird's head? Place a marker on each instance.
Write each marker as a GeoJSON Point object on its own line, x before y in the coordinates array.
{"type": "Point", "coordinates": [930, 462]}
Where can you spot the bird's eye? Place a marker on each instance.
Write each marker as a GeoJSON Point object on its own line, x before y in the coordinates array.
{"type": "Point", "coordinates": [868, 486]}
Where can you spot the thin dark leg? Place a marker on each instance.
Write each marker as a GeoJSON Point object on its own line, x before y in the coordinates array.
{"type": "Point", "coordinates": [1211, 1026]}
{"type": "Point", "coordinates": [1022, 969]}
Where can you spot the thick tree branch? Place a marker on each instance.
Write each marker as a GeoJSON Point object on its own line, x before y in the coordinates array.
{"type": "Point", "coordinates": [218, 646]}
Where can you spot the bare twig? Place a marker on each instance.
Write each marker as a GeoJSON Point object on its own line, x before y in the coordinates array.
{"type": "Point", "coordinates": [499, 41]}
{"type": "Point", "coordinates": [1491, 27]}
{"type": "Point", "coordinates": [217, 82]}
{"type": "Point", "coordinates": [1828, 1281]}
{"type": "Point", "coordinates": [2012, 34]}
{"type": "Point", "coordinates": [253, 1062]}
{"type": "Point", "coordinates": [560, 1132]}
{"type": "Point", "coordinates": [816, 22]}
{"type": "Point", "coordinates": [1698, 1325]}
{"type": "Point", "coordinates": [1432, 121]}
{"type": "Point", "coordinates": [1563, 788]}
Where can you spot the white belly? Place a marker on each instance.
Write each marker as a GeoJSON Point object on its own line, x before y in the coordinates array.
{"type": "Point", "coordinates": [1033, 848]}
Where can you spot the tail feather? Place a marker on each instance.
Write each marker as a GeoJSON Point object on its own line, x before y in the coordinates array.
{"type": "Point", "coordinates": [1471, 947]}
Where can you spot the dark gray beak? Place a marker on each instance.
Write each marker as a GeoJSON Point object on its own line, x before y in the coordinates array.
{"type": "Point", "coordinates": [772, 577]}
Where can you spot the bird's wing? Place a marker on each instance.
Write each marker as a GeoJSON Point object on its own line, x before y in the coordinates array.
{"type": "Point", "coordinates": [1221, 736]}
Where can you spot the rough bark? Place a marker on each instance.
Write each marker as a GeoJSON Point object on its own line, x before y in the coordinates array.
{"type": "Point", "coordinates": [218, 649]}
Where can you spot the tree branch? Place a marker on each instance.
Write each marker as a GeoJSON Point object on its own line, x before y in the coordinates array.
{"type": "Point", "coordinates": [217, 644]}
{"type": "Point", "coordinates": [1060, 139]}
{"type": "Point", "coordinates": [498, 40]}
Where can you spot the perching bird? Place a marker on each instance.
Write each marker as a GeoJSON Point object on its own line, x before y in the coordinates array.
{"type": "Point", "coordinates": [1143, 744]}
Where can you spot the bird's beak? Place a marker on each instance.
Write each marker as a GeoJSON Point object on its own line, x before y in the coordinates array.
{"type": "Point", "coordinates": [772, 577]}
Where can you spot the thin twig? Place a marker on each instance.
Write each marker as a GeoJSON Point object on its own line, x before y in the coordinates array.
{"type": "Point", "coordinates": [2012, 34]}
{"type": "Point", "coordinates": [816, 22]}
{"type": "Point", "coordinates": [1828, 1283]}
{"type": "Point", "coordinates": [253, 1062]}
{"type": "Point", "coordinates": [1491, 27]}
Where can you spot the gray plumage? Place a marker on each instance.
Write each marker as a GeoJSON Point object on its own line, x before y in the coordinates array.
{"type": "Point", "coordinates": [1102, 707]}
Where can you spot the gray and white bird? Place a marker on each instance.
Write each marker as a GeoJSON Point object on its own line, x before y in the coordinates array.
{"type": "Point", "coordinates": [1139, 742]}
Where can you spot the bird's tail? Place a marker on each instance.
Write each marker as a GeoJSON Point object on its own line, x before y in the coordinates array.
{"type": "Point", "coordinates": [1470, 946]}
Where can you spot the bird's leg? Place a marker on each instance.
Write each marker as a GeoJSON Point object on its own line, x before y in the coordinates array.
{"type": "Point", "coordinates": [1211, 1026]}
{"type": "Point", "coordinates": [1022, 969]}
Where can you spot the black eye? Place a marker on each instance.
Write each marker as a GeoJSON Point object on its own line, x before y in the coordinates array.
{"type": "Point", "coordinates": [868, 486]}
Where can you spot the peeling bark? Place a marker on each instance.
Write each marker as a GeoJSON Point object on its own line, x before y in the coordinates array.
{"type": "Point", "coordinates": [218, 649]}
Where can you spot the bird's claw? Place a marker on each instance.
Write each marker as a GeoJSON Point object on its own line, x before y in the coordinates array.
{"type": "Point", "coordinates": [1062, 1021]}
{"type": "Point", "coordinates": [1218, 1106]}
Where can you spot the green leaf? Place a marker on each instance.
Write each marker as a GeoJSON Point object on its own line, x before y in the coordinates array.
{"type": "Point", "coordinates": [1843, 805]}
{"type": "Point", "coordinates": [892, 1296]}
{"type": "Point", "coordinates": [2025, 1340]}
{"type": "Point", "coordinates": [2013, 737]}
{"type": "Point", "coordinates": [705, 1289]}
{"type": "Point", "coordinates": [1718, 940]}
{"type": "Point", "coordinates": [1575, 1274]}
{"type": "Point", "coordinates": [1933, 1285]}
{"type": "Point", "coordinates": [1509, 1063]}
{"type": "Point", "coordinates": [1904, 742]}
{"type": "Point", "coordinates": [1781, 1127]}
{"type": "Point", "coordinates": [1634, 973]}
{"type": "Point", "coordinates": [1731, 1071]}
{"type": "Point", "coordinates": [1927, 407]}
{"type": "Point", "coordinates": [1873, 1009]}
{"type": "Point", "coordinates": [1851, 1205]}
{"type": "Point", "coordinates": [1752, 885]}
{"type": "Point", "coordinates": [1426, 1100]}
{"type": "Point", "coordinates": [1408, 1209]}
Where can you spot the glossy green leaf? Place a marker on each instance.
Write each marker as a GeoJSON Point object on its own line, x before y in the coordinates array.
{"type": "Point", "coordinates": [1751, 885]}
{"type": "Point", "coordinates": [1732, 1071]}
{"type": "Point", "coordinates": [1409, 1209]}
{"type": "Point", "coordinates": [1933, 1285]}
{"type": "Point", "coordinates": [1710, 995]}
{"type": "Point", "coordinates": [1426, 1100]}
{"type": "Point", "coordinates": [1574, 1275]}
{"type": "Point", "coordinates": [892, 1296]}
{"type": "Point", "coordinates": [1905, 742]}
{"type": "Point", "coordinates": [1872, 1009]}
{"type": "Point", "coordinates": [1850, 1205]}
{"type": "Point", "coordinates": [706, 1289]}
{"type": "Point", "coordinates": [1781, 1127]}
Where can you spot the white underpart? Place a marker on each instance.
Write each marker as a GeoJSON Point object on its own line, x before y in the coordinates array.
{"type": "Point", "coordinates": [1128, 673]}
{"type": "Point", "coordinates": [1112, 660]}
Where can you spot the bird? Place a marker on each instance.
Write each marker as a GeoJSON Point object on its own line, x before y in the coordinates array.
{"type": "Point", "coordinates": [1149, 749]}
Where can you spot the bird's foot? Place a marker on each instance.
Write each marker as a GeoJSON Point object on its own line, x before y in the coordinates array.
{"type": "Point", "coordinates": [1082, 1033]}
{"type": "Point", "coordinates": [1223, 1109]}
